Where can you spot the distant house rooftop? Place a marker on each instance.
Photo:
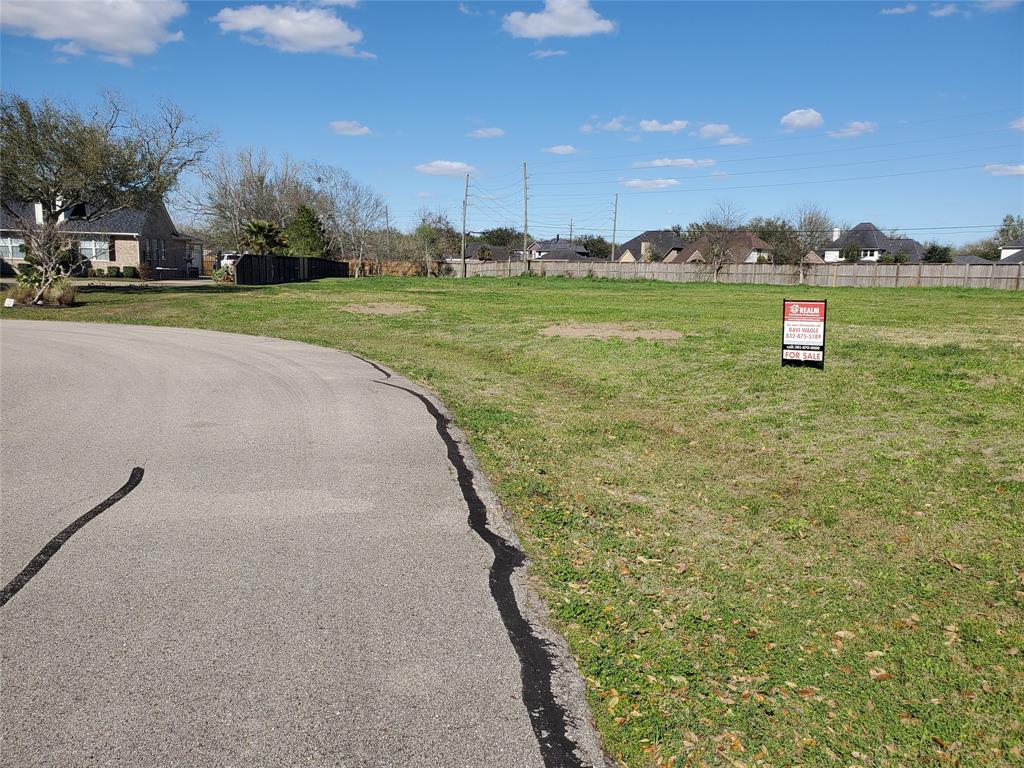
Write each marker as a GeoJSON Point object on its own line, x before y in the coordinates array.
{"type": "Point", "coordinates": [867, 237]}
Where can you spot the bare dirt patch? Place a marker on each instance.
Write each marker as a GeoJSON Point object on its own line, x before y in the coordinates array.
{"type": "Point", "coordinates": [608, 331]}
{"type": "Point", "coordinates": [382, 309]}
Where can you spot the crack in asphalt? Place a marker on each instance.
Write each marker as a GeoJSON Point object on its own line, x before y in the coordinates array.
{"type": "Point", "coordinates": [36, 564]}
{"type": "Point", "coordinates": [547, 717]}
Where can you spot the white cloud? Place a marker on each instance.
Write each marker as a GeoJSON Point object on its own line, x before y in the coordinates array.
{"type": "Point", "coordinates": [799, 119]}
{"type": "Point", "coordinates": [941, 11]}
{"type": "Point", "coordinates": [674, 126]}
{"type": "Point", "coordinates": [855, 128]}
{"type": "Point", "coordinates": [614, 125]}
{"type": "Point", "coordinates": [445, 168]}
{"type": "Point", "coordinates": [424, 195]}
{"type": "Point", "coordinates": [1001, 169]}
{"type": "Point", "coordinates": [562, 149]}
{"type": "Point", "coordinates": [674, 162]}
{"type": "Point", "coordinates": [733, 140]}
{"type": "Point", "coordinates": [486, 133]}
{"type": "Point", "coordinates": [292, 30]}
{"type": "Point", "coordinates": [560, 18]}
{"type": "Point", "coordinates": [991, 6]}
{"type": "Point", "coordinates": [899, 10]}
{"type": "Point", "coordinates": [547, 54]}
{"type": "Point", "coordinates": [648, 184]}
{"type": "Point", "coordinates": [465, 9]}
{"type": "Point", "coordinates": [713, 130]}
{"type": "Point", "coordinates": [349, 128]}
{"type": "Point", "coordinates": [345, 3]}
{"type": "Point", "coordinates": [117, 31]}
{"type": "Point", "coordinates": [1018, 124]}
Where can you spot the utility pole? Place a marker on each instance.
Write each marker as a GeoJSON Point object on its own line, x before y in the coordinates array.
{"type": "Point", "coordinates": [615, 221]}
{"type": "Point", "coordinates": [570, 233]}
{"type": "Point", "coordinates": [465, 204]}
{"type": "Point", "coordinates": [526, 222]}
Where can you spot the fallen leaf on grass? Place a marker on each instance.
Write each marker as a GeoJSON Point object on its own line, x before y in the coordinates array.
{"type": "Point", "coordinates": [878, 674]}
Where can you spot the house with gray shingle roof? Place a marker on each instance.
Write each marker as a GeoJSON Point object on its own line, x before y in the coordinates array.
{"type": "Point", "coordinates": [146, 240]}
{"type": "Point", "coordinates": [873, 244]}
{"type": "Point", "coordinates": [652, 245]}
{"type": "Point", "coordinates": [740, 248]}
{"type": "Point", "coordinates": [542, 248]}
{"type": "Point", "coordinates": [1012, 250]}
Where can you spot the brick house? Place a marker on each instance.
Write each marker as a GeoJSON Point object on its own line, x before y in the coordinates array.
{"type": "Point", "coordinates": [146, 240]}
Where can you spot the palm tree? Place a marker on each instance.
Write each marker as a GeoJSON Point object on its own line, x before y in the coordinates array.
{"type": "Point", "coordinates": [262, 237]}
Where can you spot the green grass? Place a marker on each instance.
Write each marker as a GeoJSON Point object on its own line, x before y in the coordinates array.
{"type": "Point", "coordinates": [753, 565]}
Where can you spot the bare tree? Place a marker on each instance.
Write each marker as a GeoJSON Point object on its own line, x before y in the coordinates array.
{"type": "Point", "coordinates": [58, 162]}
{"type": "Point", "coordinates": [720, 225]}
{"type": "Point", "coordinates": [436, 235]}
{"type": "Point", "coordinates": [814, 226]}
{"type": "Point", "coordinates": [249, 186]}
{"type": "Point", "coordinates": [814, 229]}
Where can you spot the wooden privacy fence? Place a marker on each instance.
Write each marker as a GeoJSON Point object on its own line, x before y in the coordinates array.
{"type": "Point", "coordinates": [995, 275]}
{"type": "Point", "coordinates": [268, 270]}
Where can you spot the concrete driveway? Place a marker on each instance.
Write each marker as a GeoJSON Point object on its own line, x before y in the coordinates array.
{"type": "Point", "coordinates": [306, 568]}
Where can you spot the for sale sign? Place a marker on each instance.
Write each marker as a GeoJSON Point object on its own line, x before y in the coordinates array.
{"type": "Point", "coordinates": [803, 333]}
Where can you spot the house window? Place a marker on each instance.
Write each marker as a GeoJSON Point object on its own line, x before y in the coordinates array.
{"type": "Point", "coordinates": [94, 250]}
{"type": "Point", "coordinates": [10, 248]}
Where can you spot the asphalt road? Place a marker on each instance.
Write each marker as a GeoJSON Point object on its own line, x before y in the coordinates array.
{"type": "Point", "coordinates": [297, 579]}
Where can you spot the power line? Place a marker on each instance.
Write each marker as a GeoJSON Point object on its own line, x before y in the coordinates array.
{"type": "Point", "coordinates": [784, 184]}
{"type": "Point", "coordinates": [803, 168]}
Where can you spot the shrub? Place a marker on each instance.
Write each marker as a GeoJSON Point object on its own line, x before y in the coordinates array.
{"type": "Point", "coordinates": [223, 275]}
{"type": "Point", "coordinates": [61, 292]}
{"type": "Point", "coordinates": [145, 273]}
{"type": "Point", "coordinates": [21, 293]}
{"type": "Point", "coordinates": [113, 271]}
{"type": "Point", "coordinates": [29, 275]}
{"type": "Point", "coordinates": [130, 271]}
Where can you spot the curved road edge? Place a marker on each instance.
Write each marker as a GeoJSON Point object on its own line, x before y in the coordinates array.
{"type": "Point", "coordinates": [564, 688]}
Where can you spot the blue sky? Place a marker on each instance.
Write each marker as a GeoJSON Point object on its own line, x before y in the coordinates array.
{"type": "Point", "coordinates": [672, 105]}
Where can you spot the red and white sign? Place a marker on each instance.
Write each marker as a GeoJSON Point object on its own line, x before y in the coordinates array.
{"type": "Point", "coordinates": [803, 333]}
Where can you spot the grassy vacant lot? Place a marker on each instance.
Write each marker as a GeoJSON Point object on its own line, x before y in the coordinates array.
{"type": "Point", "coordinates": [754, 565]}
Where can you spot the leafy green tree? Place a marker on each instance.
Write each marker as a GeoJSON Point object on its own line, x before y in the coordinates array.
{"type": "Point", "coordinates": [1011, 229]}
{"type": "Point", "coordinates": [305, 234]}
{"type": "Point", "coordinates": [936, 253]}
{"type": "Point", "coordinates": [850, 253]}
{"type": "Point", "coordinates": [596, 245]}
{"type": "Point", "coordinates": [92, 164]}
{"type": "Point", "coordinates": [437, 237]}
{"type": "Point", "coordinates": [506, 237]}
{"type": "Point", "coordinates": [786, 247]}
{"type": "Point", "coordinates": [985, 249]}
{"type": "Point", "coordinates": [262, 237]}
{"type": "Point", "coordinates": [890, 257]}
{"type": "Point", "coordinates": [692, 232]}
{"type": "Point", "coordinates": [483, 253]}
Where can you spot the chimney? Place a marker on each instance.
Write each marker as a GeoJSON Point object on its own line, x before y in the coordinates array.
{"type": "Point", "coordinates": [836, 233]}
{"type": "Point", "coordinates": [645, 250]}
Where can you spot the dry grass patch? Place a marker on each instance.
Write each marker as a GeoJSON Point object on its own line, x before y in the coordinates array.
{"type": "Point", "coordinates": [382, 309]}
{"type": "Point", "coordinates": [608, 331]}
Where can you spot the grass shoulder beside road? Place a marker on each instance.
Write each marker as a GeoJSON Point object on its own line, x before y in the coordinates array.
{"type": "Point", "coordinates": [753, 565]}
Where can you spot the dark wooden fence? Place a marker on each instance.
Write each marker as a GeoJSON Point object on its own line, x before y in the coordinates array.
{"type": "Point", "coordinates": [267, 270]}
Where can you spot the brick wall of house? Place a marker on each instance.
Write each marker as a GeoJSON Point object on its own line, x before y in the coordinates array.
{"type": "Point", "coordinates": [125, 252]}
